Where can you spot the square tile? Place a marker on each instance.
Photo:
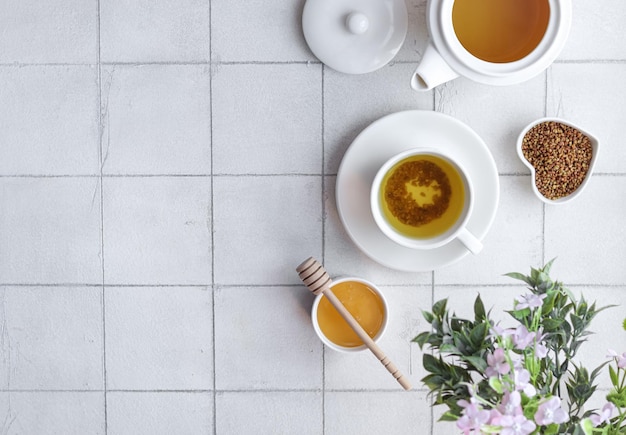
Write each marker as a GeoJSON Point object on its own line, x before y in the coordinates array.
{"type": "Point", "coordinates": [590, 95]}
{"type": "Point", "coordinates": [362, 370]}
{"type": "Point", "coordinates": [49, 120]}
{"type": "Point", "coordinates": [343, 257]}
{"type": "Point", "coordinates": [258, 31]}
{"type": "Point", "coordinates": [51, 338]}
{"type": "Point", "coordinates": [50, 231]}
{"type": "Point", "coordinates": [267, 119]}
{"type": "Point", "coordinates": [265, 227]}
{"type": "Point", "coordinates": [146, 31]}
{"type": "Point", "coordinates": [173, 353]}
{"type": "Point", "coordinates": [378, 412]}
{"type": "Point", "coordinates": [272, 413]}
{"type": "Point", "coordinates": [68, 413]}
{"type": "Point", "coordinates": [163, 413]}
{"type": "Point", "coordinates": [584, 231]}
{"type": "Point", "coordinates": [596, 33]}
{"type": "Point", "coordinates": [517, 229]}
{"type": "Point", "coordinates": [255, 349]}
{"type": "Point", "coordinates": [497, 115]}
{"type": "Point", "coordinates": [352, 102]}
{"type": "Point", "coordinates": [157, 230]}
{"type": "Point", "coordinates": [156, 119]}
{"type": "Point", "coordinates": [64, 31]}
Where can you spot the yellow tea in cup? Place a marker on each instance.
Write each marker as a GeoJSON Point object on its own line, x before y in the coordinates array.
{"type": "Point", "coordinates": [500, 31]}
{"type": "Point", "coordinates": [422, 196]}
{"type": "Point", "coordinates": [365, 305]}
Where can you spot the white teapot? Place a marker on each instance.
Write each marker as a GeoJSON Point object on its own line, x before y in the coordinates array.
{"type": "Point", "coordinates": [496, 42]}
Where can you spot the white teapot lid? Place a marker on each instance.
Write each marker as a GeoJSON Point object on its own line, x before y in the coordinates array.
{"type": "Point", "coordinates": [355, 36]}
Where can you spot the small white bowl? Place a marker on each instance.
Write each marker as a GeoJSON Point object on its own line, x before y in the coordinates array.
{"type": "Point", "coordinates": [335, 346]}
{"type": "Point", "coordinates": [595, 145]}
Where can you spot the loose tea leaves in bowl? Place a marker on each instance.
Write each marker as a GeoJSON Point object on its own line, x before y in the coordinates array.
{"type": "Point", "coordinates": [561, 156]}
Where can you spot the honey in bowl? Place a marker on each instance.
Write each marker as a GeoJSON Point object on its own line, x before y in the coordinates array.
{"type": "Point", "coordinates": [365, 305]}
{"type": "Point", "coordinates": [422, 196]}
{"type": "Point", "coordinates": [500, 31]}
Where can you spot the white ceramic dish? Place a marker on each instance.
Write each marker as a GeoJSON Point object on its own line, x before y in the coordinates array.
{"type": "Point", "coordinates": [391, 135]}
{"type": "Point", "coordinates": [445, 58]}
{"type": "Point", "coordinates": [595, 146]}
{"type": "Point", "coordinates": [355, 36]}
{"type": "Point", "coordinates": [325, 340]}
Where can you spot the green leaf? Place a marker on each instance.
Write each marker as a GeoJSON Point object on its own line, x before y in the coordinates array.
{"type": "Point", "coordinates": [479, 309]}
{"type": "Point", "coordinates": [548, 303]}
{"type": "Point", "coordinates": [548, 266]}
{"type": "Point", "coordinates": [448, 416]}
{"type": "Point", "coordinates": [587, 426]}
{"type": "Point", "coordinates": [614, 377]}
{"type": "Point", "coordinates": [496, 384]}
{"type": "Point", "coordinates": [434, 382]}
{"type": "Point", "coordinates": [478, 335]}
{"type": "Point", "coordinates": [428, 316]}
{"type": "Point", "coordinates": [421, 339]}
{"type": "Point", "coordinates": [448, 348]}
{"type": "Point", "coordinates": [431, 364]}
{"type": "Point", "coordinates": [439, 309]}
{"type": "Point", "coordinates": [476, 361]}
{"type": "Point", "coordinates": [624, 324]}
{"type": "Point", "coordinates": [521, 277]}
{"type": "Point", "coordinates": [550, 325]}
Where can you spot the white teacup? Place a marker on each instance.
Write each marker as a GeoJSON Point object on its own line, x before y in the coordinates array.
{"type": "Point", "coordinates": [447, 200]}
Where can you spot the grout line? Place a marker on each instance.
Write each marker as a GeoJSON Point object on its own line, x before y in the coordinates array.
{"type": "Point", "coordinates": [255, 62]}
{"type": "Point", "coordinates": [271, 286]}
{"type": "Point", "coordinates": [101, 182]}
{"type": "Point", "coordinates": [228, 391]}
{"type": "Point", "coordinates": [212, 214]}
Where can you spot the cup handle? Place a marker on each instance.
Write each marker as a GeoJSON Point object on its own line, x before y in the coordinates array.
{"type": "Point", "coordinates": [470, 241]}
{"type": "Point", "coordinates": [432, 70]}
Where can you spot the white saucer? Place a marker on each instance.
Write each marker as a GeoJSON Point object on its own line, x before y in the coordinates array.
{"type": "Point", "coordinates": [395, 133]}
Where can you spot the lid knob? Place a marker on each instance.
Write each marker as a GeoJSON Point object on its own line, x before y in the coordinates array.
{"type": "Point", "coordinates": [357, 23]}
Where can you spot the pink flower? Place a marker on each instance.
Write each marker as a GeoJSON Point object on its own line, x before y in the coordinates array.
{"type": "Point", "coordinates": [473, 418]}
{"type": "Point", "coordinates": [522, 338]}
{"type": "Point", "coordinates": [498, 365]}
{"type": "Point", "coordinates": [511, 403]}
{"type": "Point", "coordinates": [516, 425]}
{"type": "Point", "coordinates": [529, 300]}
{"type": "Point", "coordinates": [621, 359]}
{"type": "Point", "coordinates": [540, 350]}
{"type": "Point", "coordinates": [550, 412]}
{"type": "Point", "coordinates": [521, 377]}
{"type": "Point", "coordinates": [605, 415]}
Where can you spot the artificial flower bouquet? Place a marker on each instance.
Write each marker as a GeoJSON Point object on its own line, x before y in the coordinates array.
{"type": "Point", "coordinates": [525, 379]}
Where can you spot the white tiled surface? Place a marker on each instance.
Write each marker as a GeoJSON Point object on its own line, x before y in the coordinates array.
{"type": "Point", "coordinates": [164, 167]}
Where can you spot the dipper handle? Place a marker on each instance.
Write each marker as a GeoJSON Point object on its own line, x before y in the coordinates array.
{"type": "Point", "coordinates": [315, 277]}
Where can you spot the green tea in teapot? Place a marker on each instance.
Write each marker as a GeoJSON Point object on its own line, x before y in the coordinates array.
{"type": "Point", "coordinates": [500, 31]}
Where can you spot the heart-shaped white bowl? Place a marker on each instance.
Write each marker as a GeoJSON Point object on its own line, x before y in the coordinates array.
{"type": "Point", "coordinates": [595, 145]}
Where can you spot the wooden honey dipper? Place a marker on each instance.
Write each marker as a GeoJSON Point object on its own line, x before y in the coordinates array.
{"type": "Point", "coordinates": [315, 277]}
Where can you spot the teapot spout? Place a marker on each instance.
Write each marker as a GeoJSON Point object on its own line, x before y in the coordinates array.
{"type": "Point", "coordinates": [432, 70]}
